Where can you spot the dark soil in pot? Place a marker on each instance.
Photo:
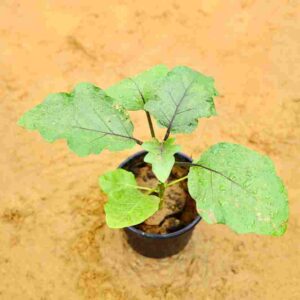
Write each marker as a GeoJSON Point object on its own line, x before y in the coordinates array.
{"type": "Point", "coordinates": [169, 229]}
{"type": "Point", "coordinates": [179, 208]}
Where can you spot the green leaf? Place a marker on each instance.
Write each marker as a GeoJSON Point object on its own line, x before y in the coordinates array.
{"type": "Point", "coordinates": [87, 118]}
{"type": "Point", "coordinates": [183, 96]}
{"type": "Point", "coordinates": [127, 205]}
{"type": "Point", "coordinates": [133, 93]}
{"type": "Point", "coordinates": [117, 180]}
{"type": "Point", "coordinates": [129, 208]}
{"type": "Point", "coordinates": [161, 157]}
{"type": "Point", "coordinates": [243, 190]}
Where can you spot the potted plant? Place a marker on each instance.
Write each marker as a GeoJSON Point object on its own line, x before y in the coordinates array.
{"type": "Point", "coordinates": [159, 195]}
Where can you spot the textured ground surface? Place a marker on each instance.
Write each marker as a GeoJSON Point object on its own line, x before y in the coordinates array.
{"type": "Point", "coordinates": [54, 242]}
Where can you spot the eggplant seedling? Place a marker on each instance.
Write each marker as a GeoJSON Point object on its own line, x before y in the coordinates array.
{"type": "Point", "coordinates": [229, 183]}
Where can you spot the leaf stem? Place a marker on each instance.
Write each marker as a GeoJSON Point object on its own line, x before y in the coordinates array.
{"type": "Point", "coordinates": [145, 188]}
{"type": "Point", "coordinates": [147, 113]}
{"type": "Point", "coordinates": [150, 124]}
{"type": "Point", "coordinates": [139, 142]}
{"type": "Point", "coordinates": [152, 191]}
{"type": "Point", "coordinates": [209, 169]}
{"type": "Point", "coordinates": [176, 181]}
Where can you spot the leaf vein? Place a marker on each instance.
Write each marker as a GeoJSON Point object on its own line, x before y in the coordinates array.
{"type": "Point", "coordinates": [177, 107]}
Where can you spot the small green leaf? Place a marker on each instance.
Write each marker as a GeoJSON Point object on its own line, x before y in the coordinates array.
{"type": "Point", "coordinates": [87, 118]}
{"type": "Point", "coordinates": [117, 180]}
{"type": "Point", "coordinates": [129, 208]}
{"type": "Point", "coordinates": [126, 206]}
{"type": "Point", "coordinates": [182, 97]}
{"type": "Point", "coordinates": [133, 93]}
{"type": "Point", "coordinates": [161, 157]}
{"type": "Point", "coordinates": [243, 190]}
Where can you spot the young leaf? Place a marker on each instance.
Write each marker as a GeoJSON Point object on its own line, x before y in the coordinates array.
{"type": "Point", "coordinates": [126, 206]}
{"type": "Point", "coordinates": [129, 208]}
{"type": "Point", "coordinates": [182, 97]}
{"type": "Point", "coordinates": [117, 180]}
{"type": "Point", "coordinates": [133, 93]}
{"type": "Point", "coordinates": [161, 157]}
{"type": "Point", "coordinates": [239, 187]}
{"type": "Point", "coordinates": [87, 118]}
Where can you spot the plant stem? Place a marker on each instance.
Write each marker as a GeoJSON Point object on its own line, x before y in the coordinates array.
{"type": "Point", "coordinates": [176, 181]}
{"type": "Point", "coordinates": [161, 191]}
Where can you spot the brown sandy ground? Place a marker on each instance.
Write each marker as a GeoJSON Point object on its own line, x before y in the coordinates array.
{"type": "Point", "coordinates": [54, 243]}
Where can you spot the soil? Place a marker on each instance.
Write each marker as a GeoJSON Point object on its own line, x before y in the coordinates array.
{"type": "Point", "coordinates": [178, 208]}
{"type": "Point", "coordinates": [54, 241]}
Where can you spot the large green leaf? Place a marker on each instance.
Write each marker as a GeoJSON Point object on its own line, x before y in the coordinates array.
{"type": "Point", "coordinates": [161, 157]}
{"type": "Point", "coordinates": [133, 93]}
{"type": "Point", "coordinates": [239, 187]}
{"type": "Point", "coordinates": [127, 205]}
{"type": "Point", "coordinates": [182, 97]}
{"type": "Point", "coordinates": [87, 118]}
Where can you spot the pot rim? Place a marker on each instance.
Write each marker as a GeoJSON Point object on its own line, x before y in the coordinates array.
{"type": "Point", "coordinates": [156, 235]}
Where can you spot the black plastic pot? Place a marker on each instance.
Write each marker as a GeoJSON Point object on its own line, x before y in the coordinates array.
{"type": "Point", "coordinates": [158, 245]}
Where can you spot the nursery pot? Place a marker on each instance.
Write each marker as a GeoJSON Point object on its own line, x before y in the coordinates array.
{"type": "Point", "coordinates": [158, 245]}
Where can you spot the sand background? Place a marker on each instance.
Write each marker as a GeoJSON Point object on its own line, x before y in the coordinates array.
{"type": "Point", "coordinates": [54, 243]}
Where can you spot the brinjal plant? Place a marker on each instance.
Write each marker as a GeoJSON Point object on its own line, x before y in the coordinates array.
{"type": "Point", "coordinates": [230, 183]}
